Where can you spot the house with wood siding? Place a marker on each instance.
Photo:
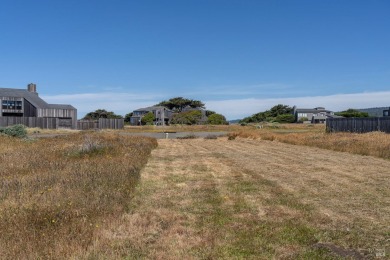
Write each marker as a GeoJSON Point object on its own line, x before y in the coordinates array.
{"type": "Point", "coordinates": [376, 111]}
{"type": "Point", "coordinates": [26, 103]}
{"type": "Point", "coordinates": [316, 115]}
{"type": "Point", "coordinates": [162, 115]}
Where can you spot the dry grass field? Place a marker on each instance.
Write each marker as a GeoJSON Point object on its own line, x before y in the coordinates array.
{"type": "Point", "coordinates": [57, 193]}
{"type": "Point", "coordinates": [373, 144]}
{"type": "Point", "coordinates": [181, 128]}
{"type": "Point", "coordinates": [253, 199]}
{"type": "Point", "coordinates": [267, 193]}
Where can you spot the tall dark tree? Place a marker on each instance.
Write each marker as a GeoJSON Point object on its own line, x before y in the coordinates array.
{"type": "Point", "coordinates": [274, 114]}
{"type": "Point", "coordinates": [101, 113]}
{"type": "Point", "coordinates": [352, 113]}
{"type": "Point", "coordinates": [279, 110]}
{"type": "Point", "coordinates": [210, 112]}
{"type": "Point", "coordinates": [128, 116]}
{"type": "Point", "coordinates": [187, 118]}
{"type": "Point", "coordinates": [179, 103]}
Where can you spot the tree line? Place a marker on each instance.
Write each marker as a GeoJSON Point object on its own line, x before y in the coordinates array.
{"type": "Point", "coordinates": [186, 111]}
{"type": "Point", "coordinates": [279, 113]}
{"type": "Point", "coordinates": [285, 114]}
{"type": "Point", "coordinates": [190, 112]}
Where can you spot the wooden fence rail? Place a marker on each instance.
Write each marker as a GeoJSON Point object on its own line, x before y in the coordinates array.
{"type": "Point", "coordinates": [358, 125]}
{"type": "Point", "coordinates": [41, 122]}
{"type": "Point", "coordinates": [87, 124]}
{"type": "Point", "coordinates": [105, 123]}
{"type": "Point", "coordinates": [102, 123]}
{"type": "Point", "coordinates": [55, 123]}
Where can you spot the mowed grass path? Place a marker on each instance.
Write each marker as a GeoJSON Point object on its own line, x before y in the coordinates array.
{"type": "Point", "coordinates": [254, 199]}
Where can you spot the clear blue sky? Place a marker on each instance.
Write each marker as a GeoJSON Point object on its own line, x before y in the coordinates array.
{"type": "Point", "coordinates": [238, 56]}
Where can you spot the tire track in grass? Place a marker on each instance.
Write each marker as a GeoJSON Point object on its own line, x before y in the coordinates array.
{"type": "Point", "coordinates": [357, 206]}
{"type": "Point", "coordinates": [231, 199]}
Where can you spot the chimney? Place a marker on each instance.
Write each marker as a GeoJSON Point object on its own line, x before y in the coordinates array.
{"type": "Point", "coordinates": [32, 88]}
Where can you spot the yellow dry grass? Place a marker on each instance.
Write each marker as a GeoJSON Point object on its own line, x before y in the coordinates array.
{"type": "Point", "coordinates": [57, 193]}
{"type": "Point", "coordinates": [38, 131]}
{"type": "Point", "coordinates": [181, 128]}
{"type": "Point", "coordinates": [374, 143]}
{"type": "Point", "coordinates": [253, 199]}
{"type": "Point", "coordinates": [81, 196]}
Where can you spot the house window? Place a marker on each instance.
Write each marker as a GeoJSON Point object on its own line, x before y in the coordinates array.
{"type": "Point", "coordinates": [19, 105]}
{"type": "Point", "coordinates": [138, 113]}
{"type": "Point", "coordinates": [5, 104]}
{"type": "Point", "coordinates": [8, 104]}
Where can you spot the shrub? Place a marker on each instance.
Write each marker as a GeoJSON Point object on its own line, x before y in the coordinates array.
{"type": "Point", "coordinates": [148, 119]}
{"type": "Point", "coordinates": [232, 136]}
{"type": "Point", "coordinates": [217, 119]}
{"type": "Point", "coordinates": [101, 113]}
{"type": "Point", "coordinates": [14, 131]}
{"type": "Point", "coordinates": [285, 118]}
{"type": "Point", "coordinates": [190, 136]}
{"type": "Point", "coordinates": [187, 118]}
{"type": "Point", "coordinates": [90, 146]}
{"type": "Point", "coordinates": [303, 119]}
{"type": "Point", "coordinates": [352, 113]}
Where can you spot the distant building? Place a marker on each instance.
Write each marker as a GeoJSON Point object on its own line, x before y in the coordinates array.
{"type": "Point", "coordinates": [376, 111]}
{"type": "Point", "coordinates": [203, 119]}
{"type": "Point", "coordinates": [316, 115]}
{"type": "Point", "coordinates": [27, 103]}
{"type": "Point", "coordinates": [162, 115]}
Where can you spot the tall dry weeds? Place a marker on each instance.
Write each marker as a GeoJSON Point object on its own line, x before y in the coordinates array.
{"type": "Point", "coordinates": [373, 144]}
{"type": "Point", "coordinates": [56, 193]}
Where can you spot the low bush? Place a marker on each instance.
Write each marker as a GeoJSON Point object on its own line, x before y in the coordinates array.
{"type": "Point", "coordinates": [233, 136]}
{"type": "Point", "coordinates": [189, 136]}
{"type": "Point", "coordinates": [217, 119]}
{"type": "Point", "coordinates": [14, 131]}
{"type": "Point", "coordinates": [89, 147]}
{"type": "Point", "coordinates": [187, 118]}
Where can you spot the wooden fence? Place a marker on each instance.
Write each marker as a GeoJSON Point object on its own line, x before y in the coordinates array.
{"type": "Point", "coordinates": [102, 123]}
{"type": "Point", "coordinates": [105, 123]}
{"type": "Point", "coordinates": [87, 124]}
{"type": "Point", "coordinates": [358, 125]}
{"type": "Point", "coordinates": [41, 122]}
{"type": "Point", "coordinates": [55, 123]}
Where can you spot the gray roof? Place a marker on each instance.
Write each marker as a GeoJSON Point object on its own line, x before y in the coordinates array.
{"type": "Point", "coordinates": [60, 106]}
{"type": "Point", "coordinates": [151, 108]}
{"type": "Point", "coordinates": [31, 97]}
{"type": "Point", "coordinates": [310, 110]}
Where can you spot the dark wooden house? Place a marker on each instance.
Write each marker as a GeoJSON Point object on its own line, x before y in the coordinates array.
{"type": "Point", "coordinates": [376, 111]}
{"type": "Point", "coordinates": [25, 103]}
{"type": "Point", "coordinates": [162, 115]}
